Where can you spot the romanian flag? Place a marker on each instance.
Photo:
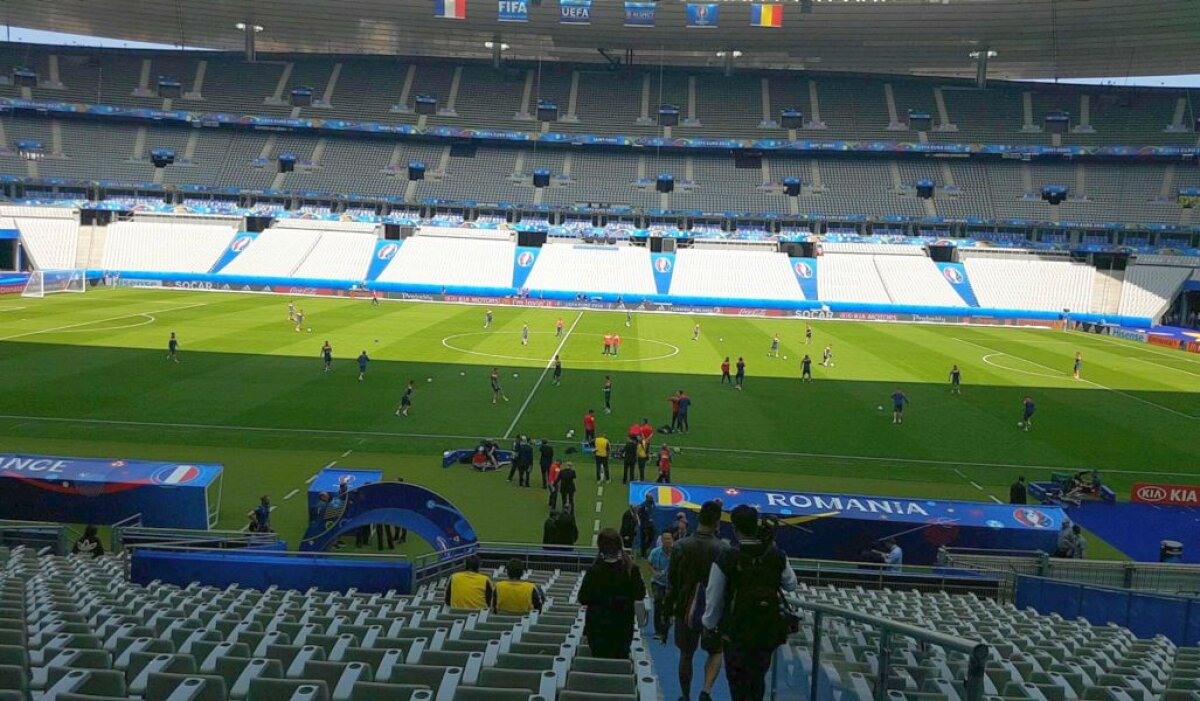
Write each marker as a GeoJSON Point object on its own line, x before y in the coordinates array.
{"type": "Point", "coordinates": [450, 9]}
{"type": "Point", "coordinates": [766, 15]}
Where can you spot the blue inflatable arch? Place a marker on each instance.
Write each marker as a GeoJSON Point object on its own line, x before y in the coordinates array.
{"type": "Point", "coordinates": [423, 512]}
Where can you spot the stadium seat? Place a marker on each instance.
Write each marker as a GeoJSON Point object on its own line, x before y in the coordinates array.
{"type": "Point", "coordinates": [294, 657]}
{"type": "Point", "coordinates": [70, 659]}
{"type": "Point", "coordinates": [143, 664]}
{"type": "Point", "coordinates": [163, 686]}
{"type": "Point", "coordinates": [601, 683]}
{"type": "Point", "coordinates": [371, 691]}
{"type": "Point", "coordinates": [84, 681]}
{"type": "Point", "coordinates": [12, 677]}
{"type": "Point", "coordinates": [238, 672]}
{"type": "Point", "coordinates": [339, 677]}
{"type": "Point", "coordinates": [287, 690]}
{"type": "Point", "coordinates": [540, 683]}
{"type": "Point", "coordinates": [441, 680]}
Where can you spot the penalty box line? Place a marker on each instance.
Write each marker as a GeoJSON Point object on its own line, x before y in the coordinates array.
{"type": "Point", "coordinates": [944, 464]}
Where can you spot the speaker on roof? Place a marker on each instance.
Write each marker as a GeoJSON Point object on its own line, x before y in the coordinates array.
{"type": "Point", "coordinates": [925, 189]}
{"type": "Point", "coordinates": [416, 170]}
{"type": "Point", "coordinates": [25, 77]}
{"type": "Point", "coordinates": [791, 119]}
{"type": "Point", "coordinates": [532, 239]}
{"type": "Point", "coordinates": [791, 187]}
{"type": "Point", "coordinates": [541, 177]}
{"type": "Point", "coordinates": [668, 116]}
{"type": "Point", "coordinates": [919, 120]}
{"type": "Point", "coordinates": [302, 97]}
{"type": "Point", "coordinates": [665, 183]}
{"type": "Point", "coordinates": [1058, 122]}
{"type": "Point", "coordinates": [547, 111]}
{"type": "Point", "coordinates": [1197, 125]}
{"type": "Point", "coordinates": [287, 162]}
{"type": "Point", "coordinates": [169, 87]}
{"type": "Point", "coordinates": [162, 157]}
{"type": "Point", "coordinates": [99, 217]}
{"type": "Point", "coordinates": [425, 104]}
{"type": "Point", "coordinates": [1055, 194]}
{"type": "Point", "coordinates": [257, 224]}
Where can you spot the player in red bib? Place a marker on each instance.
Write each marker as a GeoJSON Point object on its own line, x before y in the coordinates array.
{"type": "Point", "coordinates": [725, 372]}
{"type": "Point", "coordinates": [664, 465]}
{"type": "Point", "coordinates": [589, 426]}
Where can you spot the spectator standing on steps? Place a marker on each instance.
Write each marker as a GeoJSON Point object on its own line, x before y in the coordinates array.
{"type": "Point", "coordinates": [660, 560]}
{"type": "Point", "coordinates": [744, 599]}
{"type": "Point", "coordinates": [610, 590]}
{"type": "Point", "coordinates": [687, 580]}
{"type": "Point", "coordinates": [1018, 493]}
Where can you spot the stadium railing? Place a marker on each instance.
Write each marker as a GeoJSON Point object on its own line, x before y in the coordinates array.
{"type": "Point", "coordinates": [1173, 578]}
{"type": "Point", "coordinates": [125, 537]}
{"type": "Point", "coordinates": [873, 576]}
{"type": "Point", "coordinates": [54, 538]}
{"type": "Point", "coordinates": [1146, 614]}
{"type": "Point", "coordinates": [818, 615]}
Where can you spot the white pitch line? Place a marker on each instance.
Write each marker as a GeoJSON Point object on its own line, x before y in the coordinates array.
{"type": "Point", "coordinates": [976, 485]}
{"type": "Point", "coordinates": [599, 506]}
{"type": "Point", "coordinates": [1167, 367]}
{"type": "Point", "coordinates": [596, 525]}
{"type": "Point", "coordinates": [536, 385]}
{"type": "Point", "coordinates": [698, 448]}
{"type": "Point", "coordinates": [98, 321]}
{"type": "Point", "coordinates": [347, 453]}
{"type": "Point", "coordinates": [599, 491]}
{"type": "Point", "coordinates": [291, 494]}
{"type": "Point", "coordinates": [1133, 345]}
{"type": "Point", "coordinates": [1088, 382]}
{"type": "Point", "coordinates": [995, 499]}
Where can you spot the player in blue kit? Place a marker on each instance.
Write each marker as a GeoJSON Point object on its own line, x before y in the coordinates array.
{"type": "Point", "coordinates": [524, 334]}
{"type": "Point", "coordinates": [806, 368]}
{"type": "Point", "coordinates": [557, 370]}
{"type": "Point", "coordinates": [955, 380]}
{"type": "Point", "coordinates": [173, 348]}
{"type": "Point", "coordinates": [362, 364]}
{"type": "Point", "coordinates": [406, 399]}
{"type": "Point", "coordinates": [1027, 409]}
{"type": "Point", "coordinates": [1078, 365]}
{"type": "Point", "coordinates": [899, 400]}
{"type": "Point", "coordinates": [607, 394]}
{"type": "Point", "coordinates": [497, 393]}
{"type": "Point", "coordinates": [327, 355]}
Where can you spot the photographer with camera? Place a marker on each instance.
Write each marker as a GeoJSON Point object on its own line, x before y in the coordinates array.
{"type": "Point", "coordinates": [745, 599]}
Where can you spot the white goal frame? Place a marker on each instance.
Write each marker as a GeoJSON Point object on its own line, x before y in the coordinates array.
{"type": "Point", "coordinates": [45, 282]}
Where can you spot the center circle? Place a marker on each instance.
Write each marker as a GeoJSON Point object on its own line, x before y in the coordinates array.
{"type": "Point", "coordinates": [671, 349]}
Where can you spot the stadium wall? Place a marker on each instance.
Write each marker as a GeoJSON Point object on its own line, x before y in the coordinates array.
{"type": "Point", "coordinates": [804, 309]}
{"type": "Point", "coordinates": [1146, 614]}
{"type": "Point", "coordinates": [13, 283]}
{"type": "Point", "coordinates": [259, 570]}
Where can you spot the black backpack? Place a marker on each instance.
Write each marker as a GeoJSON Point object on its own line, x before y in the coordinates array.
{"type": "Point", "coordinates": [757, 616]}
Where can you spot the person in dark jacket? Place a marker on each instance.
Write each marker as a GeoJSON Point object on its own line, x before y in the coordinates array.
{"type": "Point", "coordinates": [526, 452]}
{"type": "Point", "coordinates": [630, 459]}
{"type": "Point", "coordinates": [687, 579]}
{"type": "Point", "coordinates": [646, 520]}
{"type": "Point", "coordinates": [568, 530]}
{"type": "Point", "coordinates": [550, 530]}
{"type": "Point", "coordinates": [88, 543]}
{"type": "Point", "coordinates": [1018, 493]}
{"type": "Point", "coordinates": [566, 485]}
{"type": "Point", "coordinates": [545, 459]}
{"type": "Point", "coordinates": [610, 590]}
{"type": "Point", "coordinates": [629, 527]}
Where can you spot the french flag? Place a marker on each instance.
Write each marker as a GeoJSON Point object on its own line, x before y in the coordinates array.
{"type": "Point", "coordinates": [178, 474]}
{"type": "Point", "coordinates": [450, 9]}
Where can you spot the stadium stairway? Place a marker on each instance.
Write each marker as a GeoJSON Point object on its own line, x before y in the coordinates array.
{"type": "Point", "coordinates": [1106, 291]}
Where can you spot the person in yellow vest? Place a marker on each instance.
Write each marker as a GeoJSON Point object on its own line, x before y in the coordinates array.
{"type": "Point", "coordinates": [601, 447]}
{"type": "Point", "coordinates": [469, 589]}
{"type": "Point", "coordinates": [514, 595]}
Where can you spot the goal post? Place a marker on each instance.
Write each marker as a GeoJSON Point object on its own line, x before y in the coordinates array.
{"type": "Point", "coordinates": [45, 282]}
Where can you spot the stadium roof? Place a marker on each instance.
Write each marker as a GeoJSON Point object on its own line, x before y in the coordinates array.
{"type": "Point", "coordinates": [1033, 38]}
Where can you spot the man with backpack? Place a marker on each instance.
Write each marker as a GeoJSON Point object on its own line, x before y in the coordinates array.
{"type": "Point", "coordinates": [745, 598]}
{"type": "Point", "coordinates": [687, 579]}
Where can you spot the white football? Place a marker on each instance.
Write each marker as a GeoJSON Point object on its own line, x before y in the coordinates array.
{"type": "Point", "coordinates": [514, 374]}
{"type": "Point", "coordinates": [880, 407]}
{"type": "Point", "coordinates": [429, 379]}
{"type": "Point", "coordinates": [785, 357]}
{"type": "Point", "coordinates": [1020, 424]}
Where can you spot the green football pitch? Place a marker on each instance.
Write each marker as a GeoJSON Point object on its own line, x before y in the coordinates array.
{"type": "Point", "coordinates": [88, 375]}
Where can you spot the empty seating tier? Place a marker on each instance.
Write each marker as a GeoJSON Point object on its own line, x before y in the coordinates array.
{"type": "Point", "coordinates": [589, 268]}
{"type": "Point", "coordinates": [716, 273]}
{"type": "Point", "coordinates": [166, 246]}
{"type": "Point", "coordinates": [445, 261]}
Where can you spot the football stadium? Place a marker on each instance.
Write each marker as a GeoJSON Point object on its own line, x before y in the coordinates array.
{"type": "Point", "coordinates": [584, 350]}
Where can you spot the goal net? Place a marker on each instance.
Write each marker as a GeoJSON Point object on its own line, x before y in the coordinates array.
{"type": "Point", "coordinates": [45, 282]}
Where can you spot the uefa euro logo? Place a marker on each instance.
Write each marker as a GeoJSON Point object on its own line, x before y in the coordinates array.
{"type": "Point", "coordinates": [239, 244]}
{"type": "Point", "coordinates": [525, 259]}
{"type": "Point", "coordinates": [386, 252]}
{"type": "Point", "coordinates": [176, 474]}
{"type": "Point", "coordinates": [1033, 518]}
{"type": "Point", "coordinates": [953, 276]}
{"type": "Point", "coordinates": [803, 269]}
{"type": "Point", "coordinates": [662, 265]}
